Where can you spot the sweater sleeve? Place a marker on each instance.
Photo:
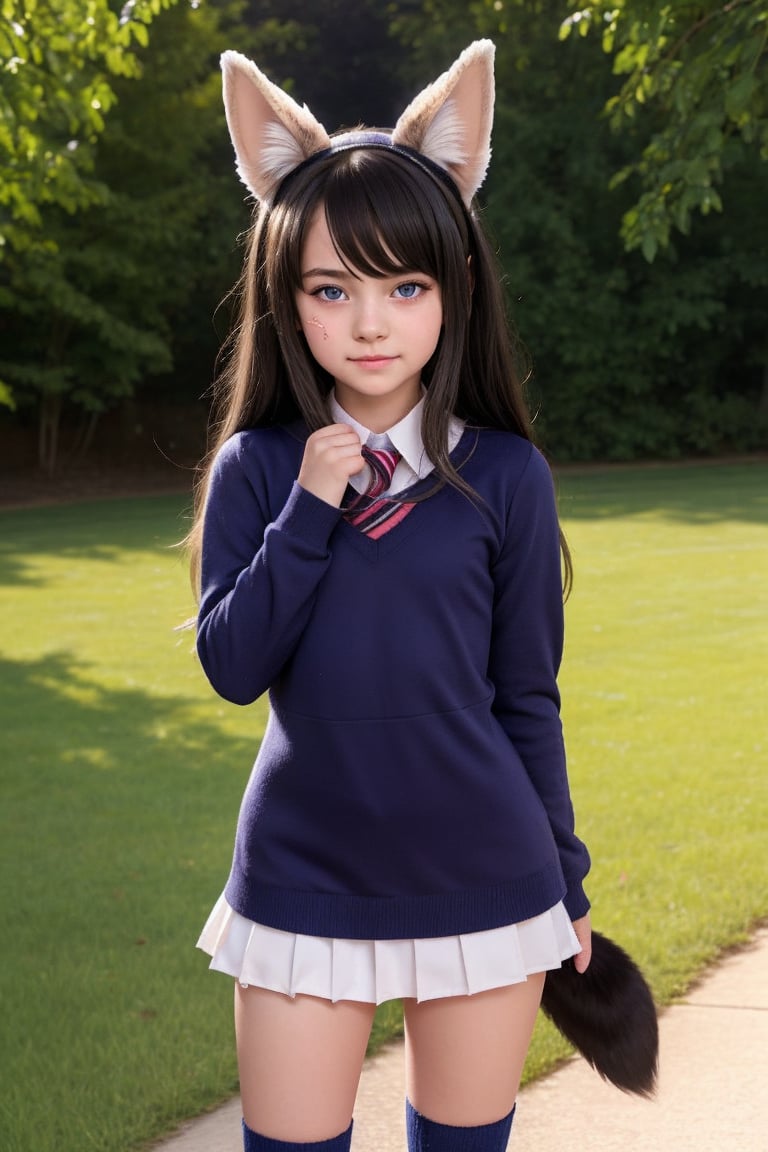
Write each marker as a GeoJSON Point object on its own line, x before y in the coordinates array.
{"type": "Point", "coordinates": [259, 578]}
{"type": "Point", "coordinates": [526, 651]}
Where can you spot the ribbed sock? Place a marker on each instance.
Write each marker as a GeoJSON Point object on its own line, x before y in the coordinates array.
{"type": "Point", "coordinates": [428, 1136]}
{"type": "Point", "coordinates": [253, 1142]}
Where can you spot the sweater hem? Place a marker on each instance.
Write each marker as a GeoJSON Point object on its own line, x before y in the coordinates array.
{"type": "Point", "coordinates": [352, 917]}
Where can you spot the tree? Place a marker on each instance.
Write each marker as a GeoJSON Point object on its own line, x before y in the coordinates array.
{"type": "Point", "coordinates": [58, 63]}
{"type": "Point", "coordinates": [57, 60]}
{"type": "Point", "coordinates": [112, 289]}
{"type": "Point", "coordinates": [89, 302]}
{"type": "Point", "coordinates": [694, 79]}
{"type": "Point", "coordinates": [631, 359]}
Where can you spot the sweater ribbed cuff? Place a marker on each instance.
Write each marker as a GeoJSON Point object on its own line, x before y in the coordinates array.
{"type": "Point", "coordinates": [575, 900]}
{"type": "Point", "coordinates": [308, 517]}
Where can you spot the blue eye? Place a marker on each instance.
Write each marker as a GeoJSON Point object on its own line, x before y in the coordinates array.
{"type": "Point", "coordinates": [329, 292]}
{"type": "Point", "coordinates": [409, 291]}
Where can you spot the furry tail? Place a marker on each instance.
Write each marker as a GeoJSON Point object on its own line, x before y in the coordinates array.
{"type": "Point", "coordinates": [608, 1014]}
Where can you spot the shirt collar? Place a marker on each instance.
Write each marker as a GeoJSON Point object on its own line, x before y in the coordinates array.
{"type": "Point", "coordinates": [405, 436]}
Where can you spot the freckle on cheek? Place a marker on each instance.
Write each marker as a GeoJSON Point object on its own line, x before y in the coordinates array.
{"type": "Point", "coordinates": [318, 324]}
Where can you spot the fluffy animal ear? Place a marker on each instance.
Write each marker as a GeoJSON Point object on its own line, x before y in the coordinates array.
{"type": "Point", "coordinates": [450, 121]}
{"type": "Point", "coordinates": [272, 134]}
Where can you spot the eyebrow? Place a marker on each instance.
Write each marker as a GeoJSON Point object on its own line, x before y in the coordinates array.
{"type": "Point", "coordinates": [328, 273]}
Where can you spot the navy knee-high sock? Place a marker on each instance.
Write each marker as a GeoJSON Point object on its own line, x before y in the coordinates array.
{"type": "Point", "coordinates": [253, 1142]}
{"type": "Point", "coordinates": [428, 1136]}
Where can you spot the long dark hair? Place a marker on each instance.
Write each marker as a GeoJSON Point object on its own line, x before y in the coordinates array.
{"type": "Point", "coordinates": [385, 214]}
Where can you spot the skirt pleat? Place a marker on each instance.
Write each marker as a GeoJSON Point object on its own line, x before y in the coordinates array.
{"type": "Point", "coordinates": [312, 968]}
{"type": "Point", "coordinates": [440, 968]}
{"type": "Point", "coordinates": [373, 971]}
{"type": "Point", "coordinates": [395, 969]}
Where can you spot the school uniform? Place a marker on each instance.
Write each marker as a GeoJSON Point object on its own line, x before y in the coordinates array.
{"type": "Point", "coordinates": [407, 829]}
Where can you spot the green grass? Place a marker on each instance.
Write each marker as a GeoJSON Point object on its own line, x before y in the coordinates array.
{"type": "Point", "coordinates": [122, 775]}
{"type": "Point", "coordinates": [664, 710]}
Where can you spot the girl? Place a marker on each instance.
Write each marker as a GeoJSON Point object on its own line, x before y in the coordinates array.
{"type": "Point", "coordinates": [377, 546]}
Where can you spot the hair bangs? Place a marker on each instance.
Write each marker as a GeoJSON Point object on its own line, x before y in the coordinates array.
{"type": "Point", "coordinates": [385, 216]}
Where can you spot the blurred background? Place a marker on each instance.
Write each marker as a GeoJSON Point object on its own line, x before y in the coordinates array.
{"type": "Point", "coordinates": [627, 197]}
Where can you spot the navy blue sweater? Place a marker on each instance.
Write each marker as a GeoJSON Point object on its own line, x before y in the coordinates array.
{"type": "Point", "coordinates": [411, 781]}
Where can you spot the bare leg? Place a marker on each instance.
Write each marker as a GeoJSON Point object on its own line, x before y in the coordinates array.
{"type": "Point", "coordinates": [300, 1061]}
{"type": "Point", "coordinates": [465, 1054]}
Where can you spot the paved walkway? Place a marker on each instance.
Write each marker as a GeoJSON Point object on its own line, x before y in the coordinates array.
{"type": "Point", "coordinates": [713, 1085]}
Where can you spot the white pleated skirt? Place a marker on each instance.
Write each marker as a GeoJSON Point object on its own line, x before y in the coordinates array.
{"type": "Point", "coordinates": [373, 971]}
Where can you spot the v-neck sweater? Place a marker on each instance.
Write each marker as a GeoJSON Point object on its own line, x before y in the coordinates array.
{"type": "Point", "coordinates": [411, 781]}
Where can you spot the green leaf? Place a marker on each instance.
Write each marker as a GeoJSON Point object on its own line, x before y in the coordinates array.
{"type": "Point", "coordinates": [739, 95]}
{"type": "Point", "coordinates": [141, 33]}
{"type": "Point", "coordinates": [649, 247]}
{"type": "Point", "coordinates": [565, 29]}
{"type": "Point", "coordinates": [6, 396]}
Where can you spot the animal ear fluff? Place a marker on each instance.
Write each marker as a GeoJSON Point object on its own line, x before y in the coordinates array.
{"type": "Point", "coordinates": [449, 123]}
{"type": "Point", "coordinates": [272, 134]}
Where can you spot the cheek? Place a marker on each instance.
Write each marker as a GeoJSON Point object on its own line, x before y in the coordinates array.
{"type": "Point", "coordinates": [319, 340]}
{"type": "Point", "coordinates": [432, 331]}
{"type": "Point", "coordinates": [315, 328]}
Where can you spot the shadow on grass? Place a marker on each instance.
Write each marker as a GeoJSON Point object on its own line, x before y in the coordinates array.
{"type": "Point", "coordinates": [116, 831]}
{"type": "Point", "coordinates": [91, 775]}
{"type": "Point", "coordinates": [696, 493]}
{"type": "Point", "coordinates": [70, 530]}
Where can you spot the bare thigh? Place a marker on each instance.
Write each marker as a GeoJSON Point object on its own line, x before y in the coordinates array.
{"type": "Point", "coordinates": [299, 1061]}
{"type": "Point", "coordinates": [465, 1054]}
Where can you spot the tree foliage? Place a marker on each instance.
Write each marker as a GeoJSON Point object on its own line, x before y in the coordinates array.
{"type": "Point", "coordinates": [59, 61]}
{"type": "Point", "coordinates": [693, 78]}
{"type": "Point", "coordinates": [95, 303]}
{"type": "Point", "coordinates": [112, 290]}
{"type": "Point", "coordinates": [628, 359]}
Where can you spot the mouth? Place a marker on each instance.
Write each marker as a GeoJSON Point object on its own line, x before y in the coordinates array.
{"type": "Point", "coordinates": [372, 361]}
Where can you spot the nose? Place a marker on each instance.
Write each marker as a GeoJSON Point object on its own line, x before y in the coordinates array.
{"type": "Point", "coordinates": [370, 322]}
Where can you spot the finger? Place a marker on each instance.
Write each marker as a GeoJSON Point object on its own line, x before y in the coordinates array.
{"type": "Point", "coordinates": [334, 433]}
{"type": "Point", "coordinates": [583, 930]}
{"type": "Point", "coordinates": [335, 448]}
{"type": "Point", "coordinates": [581, 960]}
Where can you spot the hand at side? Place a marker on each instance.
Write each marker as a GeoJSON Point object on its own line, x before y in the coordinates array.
{"type": "Point", "coordinates": [583, 930]}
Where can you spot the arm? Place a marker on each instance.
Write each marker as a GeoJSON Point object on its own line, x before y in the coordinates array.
{"type": "Point", "coordinates": [525, 658]}
{"type": "Point", "coordinates": [259, 578]}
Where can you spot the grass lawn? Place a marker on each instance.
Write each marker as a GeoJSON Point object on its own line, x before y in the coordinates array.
{"type": "Point", "coordinates": [122, 774]}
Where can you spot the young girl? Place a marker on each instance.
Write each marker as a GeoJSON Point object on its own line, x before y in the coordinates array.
{"type": "Point", "coordinates": [377, 546]}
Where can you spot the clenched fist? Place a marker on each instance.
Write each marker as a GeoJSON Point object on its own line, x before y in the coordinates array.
{"type": "Point", "coordinates": [331, 456]}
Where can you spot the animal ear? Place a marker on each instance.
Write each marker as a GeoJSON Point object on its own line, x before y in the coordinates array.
{"type": "Point", "coordinates": [272, 134]}
{"type": "Point", "coordinates": [450, 121]}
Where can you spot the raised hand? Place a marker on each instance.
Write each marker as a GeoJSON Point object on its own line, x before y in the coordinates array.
{"type": "Point", "coordinates": [331, 456]}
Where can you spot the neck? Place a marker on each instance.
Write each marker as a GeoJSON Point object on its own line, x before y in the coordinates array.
{"type": "Point", "coordinates": [377, 413]}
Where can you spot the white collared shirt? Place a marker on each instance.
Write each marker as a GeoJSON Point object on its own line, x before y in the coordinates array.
{"type": "Point", "coordinates": [405, 436]}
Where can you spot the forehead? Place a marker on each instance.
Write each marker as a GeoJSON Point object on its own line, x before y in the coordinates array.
{"type": "Point", "coordinates": [318, 246]}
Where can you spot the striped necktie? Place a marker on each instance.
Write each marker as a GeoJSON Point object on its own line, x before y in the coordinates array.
{"type": "Point", "coordinates": [371, 511]}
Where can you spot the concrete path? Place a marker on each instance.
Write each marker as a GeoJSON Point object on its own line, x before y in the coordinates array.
{"type": "Point", "coordinates": [713, 1085]}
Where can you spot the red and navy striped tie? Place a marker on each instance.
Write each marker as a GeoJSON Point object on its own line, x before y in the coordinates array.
{"type": "Point", "coordinates": [370, 511]}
